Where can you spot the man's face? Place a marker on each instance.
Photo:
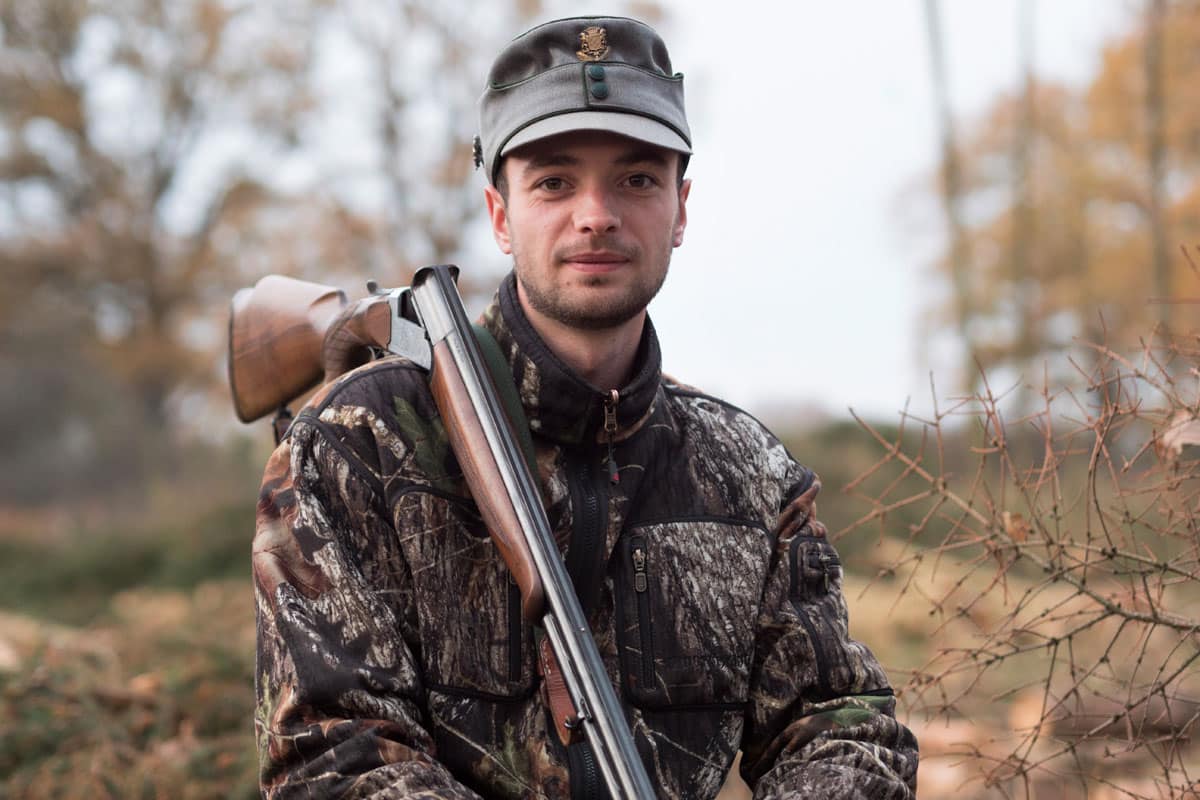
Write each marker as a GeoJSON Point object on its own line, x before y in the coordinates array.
{"type": "Point", "coordinates": [590, 219]}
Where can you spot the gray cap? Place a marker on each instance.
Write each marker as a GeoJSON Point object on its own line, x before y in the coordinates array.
{"type": "Point", "coordinates": [583, 73]}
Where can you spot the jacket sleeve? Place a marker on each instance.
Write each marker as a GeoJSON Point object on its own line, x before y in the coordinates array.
{"type": "Point", "coordinates": [339, 710]}
{"type": "Point", "coordinates": [821, 716]}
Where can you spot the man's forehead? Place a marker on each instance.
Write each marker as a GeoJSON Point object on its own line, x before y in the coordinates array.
{"type": "Point", "coordinates": [588, 146]}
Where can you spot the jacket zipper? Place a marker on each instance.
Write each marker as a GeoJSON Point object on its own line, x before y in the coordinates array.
{"type": "Point", "coordinates": [586, 782]}
{"type": "Point", "coordinates": [590, 505]}
{"type": "Point", "coordinates": [824, 562]}
{"type": "Point", "coordinates": [610, 430]}
{"type": "Point", "coordinates": [641, 582]}
{"type": "Point", "coordinates": [589, 501]}
{"type": "Point", "coordinates": [823, 683]}
{"type": "Point", "coordinates": [593, 781]}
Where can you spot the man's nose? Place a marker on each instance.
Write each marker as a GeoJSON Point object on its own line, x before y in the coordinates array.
{"type": "Point", "coordinates": [596, 212]}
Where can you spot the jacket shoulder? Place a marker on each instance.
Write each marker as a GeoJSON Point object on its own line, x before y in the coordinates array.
{"type": "Point", "coordinates": [721, 430]}
{"type": "Point", "coordinates": [381, 419]}
{"type": "Point", "coordinates": [706, 410]}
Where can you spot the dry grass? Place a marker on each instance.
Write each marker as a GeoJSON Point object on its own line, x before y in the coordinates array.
{"type": "Point", "coordinates": [154, 701]}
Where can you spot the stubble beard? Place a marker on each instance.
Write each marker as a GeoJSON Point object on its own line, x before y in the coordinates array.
{"type": "Point", "coordinates": [596, 312]}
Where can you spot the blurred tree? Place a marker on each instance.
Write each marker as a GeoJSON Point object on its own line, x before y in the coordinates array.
{"type": "Point", "coordinates": [120, 165]}
{"type": "Point", "coordinates": [1073, 200]}
{"type": "Point", "coordinates": [408, 76]}
{"type": "Point", "coordinates": [154, 155]}
{"type": "Point", "coordinates": [416, 69]}
{"type": "Point", "coordinates": [957, 258]}
{"type": "Point", "coordinates": [1156, 153]}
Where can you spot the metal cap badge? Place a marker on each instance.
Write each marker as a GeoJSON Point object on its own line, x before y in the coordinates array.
{"type": "Point", "coordinates": [595, 44]}
{"type": "Point", "coordinates": [583, 73]}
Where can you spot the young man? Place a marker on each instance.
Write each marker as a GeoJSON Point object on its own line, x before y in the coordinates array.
{"type": "Point", "coordinates": [393, 660]}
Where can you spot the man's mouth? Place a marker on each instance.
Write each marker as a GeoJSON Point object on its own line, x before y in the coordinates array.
{"type": "Point", "coordinates": [596, 260]}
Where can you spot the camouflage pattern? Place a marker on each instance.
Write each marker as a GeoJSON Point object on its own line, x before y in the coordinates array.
{"type": "Point", "coordinates": [393, 661]}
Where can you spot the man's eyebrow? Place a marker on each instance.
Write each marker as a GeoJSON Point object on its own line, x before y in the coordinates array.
{"type": "Point", "coordinates": [651, 155]}
{"type": "Point", "coordinates": [550, 160]}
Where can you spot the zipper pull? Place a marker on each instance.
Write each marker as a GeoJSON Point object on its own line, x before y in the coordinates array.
{"type": "Point", "coordinates": [639, 570]}
{"type": "Point", "coordinates": [828, 564]}
{"type": "Point", "coordinates": [610, 429]}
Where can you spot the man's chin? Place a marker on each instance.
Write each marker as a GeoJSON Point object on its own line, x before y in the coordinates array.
{"type": "Point", "coordinates": [600, 322]}
{"type": "Point", "coordinates": [597, 280]}
{"type": "Point", "coordinates": [593, 313]}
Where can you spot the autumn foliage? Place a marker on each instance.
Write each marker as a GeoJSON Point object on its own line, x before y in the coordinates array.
{"type": "Point", "coordinates": [156, 156]}
{"type": "Point", "coordinates": [1073, 202]}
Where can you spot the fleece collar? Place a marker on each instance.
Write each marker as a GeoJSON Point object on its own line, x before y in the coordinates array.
{"type": "Point", "coordinates": [560, 404]}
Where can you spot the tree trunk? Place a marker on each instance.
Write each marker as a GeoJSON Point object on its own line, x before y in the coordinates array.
{"type": "Point", "coordinates": [951, 193]}
{"type": "Point", "coordinates": [1156, 155]}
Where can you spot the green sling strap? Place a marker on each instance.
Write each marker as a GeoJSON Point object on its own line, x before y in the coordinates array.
{"type": "Point", "coordinates": [502, 377]}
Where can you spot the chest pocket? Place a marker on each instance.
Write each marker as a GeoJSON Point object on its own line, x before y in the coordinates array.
{"type": "Point", "coordinates": [687, 600]}
{"type": "Point", "coordinates": [816, 567]}
{"type": "Point", "coordinates": [470, 634]}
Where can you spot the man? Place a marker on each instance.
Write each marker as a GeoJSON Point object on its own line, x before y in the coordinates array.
{"type": "Point", "coordinates": [393, 660]}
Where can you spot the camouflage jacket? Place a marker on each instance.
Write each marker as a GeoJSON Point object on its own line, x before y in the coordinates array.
{"type": "Point", "coordinates": [392, 658]}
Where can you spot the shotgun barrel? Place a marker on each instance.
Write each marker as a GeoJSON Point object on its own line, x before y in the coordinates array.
{"type": "Point", "coordinates": [462, 388]}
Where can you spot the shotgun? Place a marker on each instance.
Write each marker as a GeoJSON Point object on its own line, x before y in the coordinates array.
{"type": "Point", "coordinates": [427, 324]}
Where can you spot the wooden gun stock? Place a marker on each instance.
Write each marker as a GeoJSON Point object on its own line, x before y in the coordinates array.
{"type": "Point", "coordinates": [276, 331]}
{"type": "Point", "coordinates": [288, 335]}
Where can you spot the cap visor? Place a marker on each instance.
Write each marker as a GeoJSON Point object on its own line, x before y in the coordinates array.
{"type": "Point", "coordinates": [634, 126]}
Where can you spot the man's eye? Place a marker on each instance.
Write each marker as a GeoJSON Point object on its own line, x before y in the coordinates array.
{"type": "Point", "coordinates": [641, 181]}
{"type": "Point", "coordinates": [552, 184]}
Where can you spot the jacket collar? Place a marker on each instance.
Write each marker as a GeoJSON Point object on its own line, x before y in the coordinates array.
{"type": "Point", "coordinates": [559, 403]}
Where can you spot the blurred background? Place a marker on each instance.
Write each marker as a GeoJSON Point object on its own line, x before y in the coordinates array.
{"type": "Point", "coordinates": [893, 203]}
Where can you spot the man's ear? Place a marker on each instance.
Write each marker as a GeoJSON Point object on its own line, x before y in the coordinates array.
{"type": "Point", "coordinates": [498, 215]}
{"type": "Point", "coordinates": [685, 189]}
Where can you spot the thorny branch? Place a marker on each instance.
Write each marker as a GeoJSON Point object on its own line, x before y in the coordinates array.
{"type": "Point", "coordinates": [1061, 565]}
